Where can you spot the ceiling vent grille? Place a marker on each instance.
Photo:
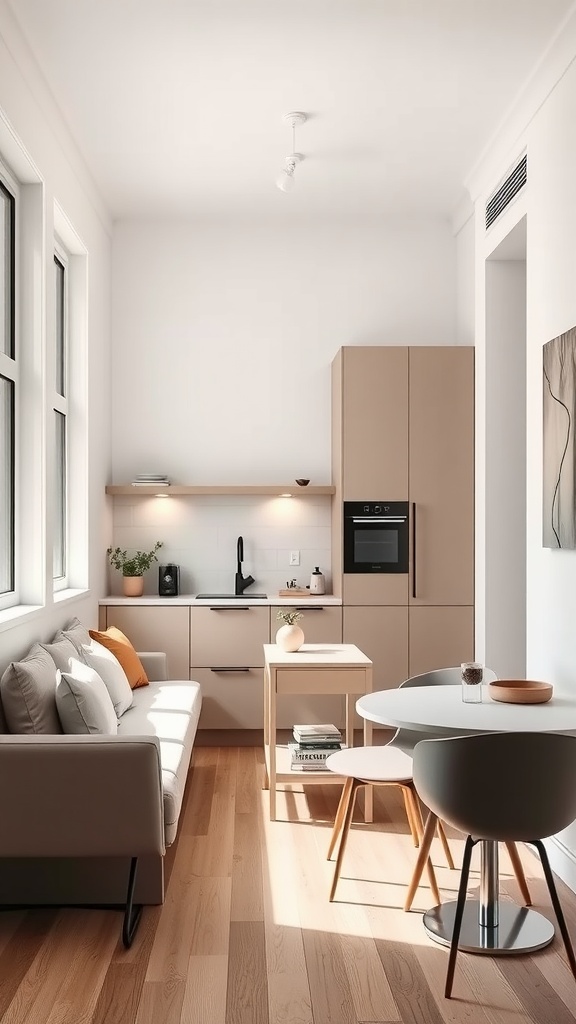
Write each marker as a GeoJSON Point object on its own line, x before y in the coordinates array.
{"type": "Point", "coordinates": [506, 192]}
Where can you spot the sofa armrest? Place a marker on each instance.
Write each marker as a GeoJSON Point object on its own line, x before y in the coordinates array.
{"type": "Point", "coordinates": [72, 796]}
{"type": "Point", "coordinates": [155, 665]}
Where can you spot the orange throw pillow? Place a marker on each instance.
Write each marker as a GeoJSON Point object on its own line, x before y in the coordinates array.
{"type": "Point", "coordinates": [122, 649]}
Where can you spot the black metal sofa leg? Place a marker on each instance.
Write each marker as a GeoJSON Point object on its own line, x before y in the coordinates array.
{"type": "Point", "coordinates": [132, 914]}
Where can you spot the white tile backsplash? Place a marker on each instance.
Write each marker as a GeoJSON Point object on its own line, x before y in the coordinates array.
{"type": "Point", "coordinates": [199, 534]}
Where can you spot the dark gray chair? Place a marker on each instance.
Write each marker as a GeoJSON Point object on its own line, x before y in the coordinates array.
{"type": "Point", "coordinates": [503, 787]}
{"type": "Point", "coordinates": [406, 740]}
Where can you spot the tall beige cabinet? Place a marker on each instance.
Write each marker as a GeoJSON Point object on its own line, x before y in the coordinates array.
{"type": "Point", "coordinates": [403, 430]}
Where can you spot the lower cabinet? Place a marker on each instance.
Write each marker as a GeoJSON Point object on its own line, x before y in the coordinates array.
{"type": "Point", "coordinates": [403, 641]}
{"type": "Point", "coordinates": [227, 659]}
{"type": "Point", "coordinates": [156, 628]}
{"type": "Point", "coordinates": [440, 636]}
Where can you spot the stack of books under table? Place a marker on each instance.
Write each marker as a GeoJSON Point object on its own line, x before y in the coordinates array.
{"type": "Point", "coordinates": [312, 745]}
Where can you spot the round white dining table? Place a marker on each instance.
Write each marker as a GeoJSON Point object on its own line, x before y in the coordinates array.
{"type": "Point", "coordinates": [489, 925]}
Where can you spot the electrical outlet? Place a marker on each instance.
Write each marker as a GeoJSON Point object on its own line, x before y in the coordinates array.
{"type": "Point", "coordinates": [294, 558]}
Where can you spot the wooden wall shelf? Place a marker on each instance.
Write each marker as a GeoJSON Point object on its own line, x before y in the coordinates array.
{"type": "Point", "coordinates": [136, 491]}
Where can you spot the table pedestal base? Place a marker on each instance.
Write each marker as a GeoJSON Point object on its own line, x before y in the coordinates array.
{"type": "Point", "coordinates": [520, 930]}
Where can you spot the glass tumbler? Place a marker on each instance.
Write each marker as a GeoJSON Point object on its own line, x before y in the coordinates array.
{"type": "Point", "coordinates": [472, 676]}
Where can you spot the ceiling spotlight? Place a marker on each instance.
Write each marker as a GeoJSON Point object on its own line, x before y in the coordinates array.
{"type": "Point", "coordinates": [286, 180]}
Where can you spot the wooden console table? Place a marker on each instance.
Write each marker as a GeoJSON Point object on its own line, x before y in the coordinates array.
{"type": "Point", "coordinates": [314, 669]}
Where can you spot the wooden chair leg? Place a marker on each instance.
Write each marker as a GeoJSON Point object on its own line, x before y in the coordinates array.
{"type": "Point", "coordinates": [444, 841]}
{"type": "Point", "coordinates": [344, 797]}
{"type": "Point", "coordinates": [519, 872]}
{"type": "Point", "coordinates": [344, 837]}
{"type": "Point", "coordinates": [423, 857]}
{"type": "Point", "coordinates": [412, 821]}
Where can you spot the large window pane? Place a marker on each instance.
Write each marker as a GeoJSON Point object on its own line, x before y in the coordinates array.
{"type": "Point", "coordinates": [60, 328]}
{"type": "Point", "coordinates": [7, 262]}
{"type": "Point", "coordinates": [6, 485]}
{"type": "Point", "coordinates": [60, 496]}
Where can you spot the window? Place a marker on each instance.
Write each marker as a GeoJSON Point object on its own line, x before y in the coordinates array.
{"type": "Point", "coordinates": [8, 379]}
{"type": "Point", "coordinates": [60, 481]}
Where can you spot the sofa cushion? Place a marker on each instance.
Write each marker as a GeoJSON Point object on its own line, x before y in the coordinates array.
{"type": "Point", "coordinates": [83, 702]}
{"type": "Point", "coordinates": [28, 690]}
{"type": "Point", "coordinates": [110, 670]}
{"type": "Point", "coordinates": [76, 632]}
{"type": "Point", "coordinates": [169, 711]}
{"type": "Point", "coordinates": [62, 651]}
{"type": "Point", "coordinates": [116, 641]}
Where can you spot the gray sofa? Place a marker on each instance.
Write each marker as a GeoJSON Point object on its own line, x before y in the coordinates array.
{"type": "Point", "coordinates": [76, 810]}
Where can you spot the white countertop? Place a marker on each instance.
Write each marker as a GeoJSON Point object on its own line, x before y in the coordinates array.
{"type": "Point", "coordinates": [190, 599]}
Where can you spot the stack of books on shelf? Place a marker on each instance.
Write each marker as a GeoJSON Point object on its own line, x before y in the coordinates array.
{"type": "Point", "coordinates": [312, 745]}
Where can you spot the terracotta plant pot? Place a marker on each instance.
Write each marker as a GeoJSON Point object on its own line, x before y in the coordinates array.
{"type": "Point", "coordinates": [132, 586]}
{"type": "Point", "coordinates": [290, 638]}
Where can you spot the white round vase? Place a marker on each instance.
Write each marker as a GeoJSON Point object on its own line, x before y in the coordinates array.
{"type": "Point", "coordinates": [290, 638]}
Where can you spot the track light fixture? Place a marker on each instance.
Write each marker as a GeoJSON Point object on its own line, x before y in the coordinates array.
{"type": "Point", "coordinates": [286, 180]}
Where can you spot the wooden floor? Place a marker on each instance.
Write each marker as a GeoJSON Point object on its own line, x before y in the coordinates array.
{"type": "Point", "coordinates": [247, 935]}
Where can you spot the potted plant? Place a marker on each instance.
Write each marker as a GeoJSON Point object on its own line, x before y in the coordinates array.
{"type": "Point", "coordinates": [133, 567]}
{"type": "Point", "coordinates": [290, 636]}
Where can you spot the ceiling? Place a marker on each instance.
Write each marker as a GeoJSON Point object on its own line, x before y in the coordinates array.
{"type": "Point", "coordinates": [177, 105]}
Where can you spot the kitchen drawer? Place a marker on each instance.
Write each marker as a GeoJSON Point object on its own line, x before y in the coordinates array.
{"type": "Point", "coordinates": [329, 680]}
{"type": "Point", "coordinates": [225, 636]}
{"type": "Point", "coordinates": [321, 625]}
{"type": "Point", "coordinates": [230, 700]}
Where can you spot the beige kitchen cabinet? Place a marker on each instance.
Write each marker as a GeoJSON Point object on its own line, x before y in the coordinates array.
{"type": "Point", "coordinates": [441, 475]}
{"type": "Point", "coordinates": [382, 633]}
{"type": "Point", "coordinates": [321, 624]}
{"type": "Point", "coordinates": [439, 637]}
{"type": "Point", "coordinates": [227, 659]}
{"type": "Point", "coordinates": [403, 430]}
{"type": "Point", "coordinates": [370, 399]}
{"type": "Point", "coordinates": [156, 628]}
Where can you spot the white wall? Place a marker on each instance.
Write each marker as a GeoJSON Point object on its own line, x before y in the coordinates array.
{"type": "Point", "coordinates": [224, 335]}
{"type": "Point", "coordinates": [549, 133]}
{"type": "Point", "coordinates": [37, 135]}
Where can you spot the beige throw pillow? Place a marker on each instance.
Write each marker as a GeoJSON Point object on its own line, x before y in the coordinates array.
{"type": "Point", "coordinates": [83, 702]}
{"type": "Point", "coordinates": [28, 690]}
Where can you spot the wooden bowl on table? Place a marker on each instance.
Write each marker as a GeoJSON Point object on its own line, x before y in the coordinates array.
{"type": "Point", "coordinates": [520, 691]}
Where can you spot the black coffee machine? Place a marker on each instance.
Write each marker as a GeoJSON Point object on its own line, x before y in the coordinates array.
{"type": "Point", "coordinates": [169, 580]}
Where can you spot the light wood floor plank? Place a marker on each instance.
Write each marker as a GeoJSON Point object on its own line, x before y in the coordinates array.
{"type": "Point", "coordinates": [247, 997]}
{"type": "Point", "coordinates": [205, 994]}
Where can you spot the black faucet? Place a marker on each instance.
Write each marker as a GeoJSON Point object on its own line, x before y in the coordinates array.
{"type": "Point", "coordinates": [241, 582]}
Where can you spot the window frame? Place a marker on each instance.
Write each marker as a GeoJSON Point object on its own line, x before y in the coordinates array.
{"type": "Point", "coordinates": [10, 371]}
{"type": "Point", "coordinates": [60, 407]}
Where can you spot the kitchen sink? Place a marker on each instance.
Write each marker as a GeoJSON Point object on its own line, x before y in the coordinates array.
{"type": "Point", "coordinates": [230, 597]}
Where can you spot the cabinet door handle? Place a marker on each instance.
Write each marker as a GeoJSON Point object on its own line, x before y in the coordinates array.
{"type": "Point", "coordinates": [229, 668]}
{"type": "Point", "coordinates": [413, 549]}
{"type": "Point", "coordinates": [230, 608]}
{"type": "Point", "coordinates": [311, 608]}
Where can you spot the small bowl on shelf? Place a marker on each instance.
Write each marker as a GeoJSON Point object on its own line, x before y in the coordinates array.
{"type": "Point", "coordinates": [520, 691]}
{"type": "Point", "coordinates": [302, 482]}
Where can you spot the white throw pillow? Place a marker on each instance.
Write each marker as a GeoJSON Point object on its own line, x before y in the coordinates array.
{"type": "Point", "coordinates": [110, 670]}
{"type": "Point", "coordinates": [83, 702]}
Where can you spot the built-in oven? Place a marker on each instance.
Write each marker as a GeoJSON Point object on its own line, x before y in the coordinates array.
{"type": "Point", "coordinates": [376, 536]}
